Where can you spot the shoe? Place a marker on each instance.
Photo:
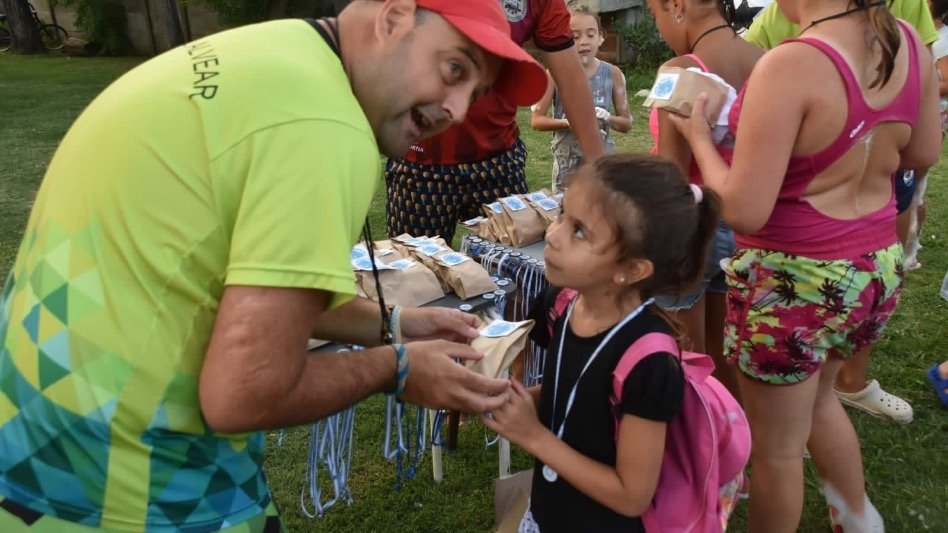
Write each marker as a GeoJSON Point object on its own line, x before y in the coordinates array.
{"type": "Point", "coordinates": [939, 383]}
{"type": "Point", "coordinates": [878, 403]}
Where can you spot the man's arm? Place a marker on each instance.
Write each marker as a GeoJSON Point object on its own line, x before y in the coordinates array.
{"type": "Point", "coordinates": [257, 373]}
{"type": "Point", "coordinates": [577, 99]}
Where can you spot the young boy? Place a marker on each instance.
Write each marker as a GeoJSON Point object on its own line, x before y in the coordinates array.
{"type": "Point", "coordinates": [608, 88]}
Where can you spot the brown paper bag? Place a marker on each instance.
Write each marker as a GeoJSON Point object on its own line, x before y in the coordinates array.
{"type": "Point", "coordinates": [511, 498]}
{"type": "Point", "coordinates": [544, 204]}
{"type": "Point", "coordinates": [523, 224]}
{"type": "Point", "coordinates": [499, 352]}
{"type": "Point", "coordinates": [411, 286]}
{"type": "Point", "coordinates": [496, 226]}
{"type": "Point", "coordinates": [675, 90]}
{"type": "Point", "coordinates": [466, 277]}
{"type": "Point", "coordinates": [426, 256]}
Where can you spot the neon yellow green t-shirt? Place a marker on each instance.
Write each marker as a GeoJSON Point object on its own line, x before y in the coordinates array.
{"type": "Point", "coordinates": [242, 158]}
{"type": "Point", "coordinates": [771, 26]}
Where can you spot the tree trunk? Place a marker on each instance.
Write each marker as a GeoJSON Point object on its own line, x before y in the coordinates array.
{"type": "Point", "coordinates": [170, 23]}
{"type": "Point", "coordinates": [23, 32]}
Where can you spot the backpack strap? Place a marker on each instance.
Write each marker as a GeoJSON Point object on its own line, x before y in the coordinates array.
{"type": "Point", "coordinates": [563, 299]}
{"type": "Point", "coordinates": [643, 347]}
{"type": "Point", "coordinates": [696, 366]}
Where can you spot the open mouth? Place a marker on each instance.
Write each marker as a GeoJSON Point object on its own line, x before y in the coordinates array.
{"type": "Point", "coordinates": [419, 120]}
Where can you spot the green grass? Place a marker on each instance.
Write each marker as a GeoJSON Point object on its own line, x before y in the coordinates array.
{"type": "Point", "coordinates": [906, 465]}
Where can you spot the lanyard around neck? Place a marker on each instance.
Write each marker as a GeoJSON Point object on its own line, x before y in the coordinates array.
{"type": "Point", "coordinates": [559, 357]}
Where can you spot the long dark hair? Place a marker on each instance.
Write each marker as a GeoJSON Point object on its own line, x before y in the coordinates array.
{"type": "Point", "coordinates": [653, 212]}
{"type": "Point", "coordinates": [886, 34]}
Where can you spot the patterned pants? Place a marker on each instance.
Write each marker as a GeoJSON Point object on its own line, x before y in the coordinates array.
{"type": "Point", "coordinates": [431, 200]}
{"type": "Point", "coordinates": [786, 313]}
{"type": "Point", "coordinates": [15, 517]}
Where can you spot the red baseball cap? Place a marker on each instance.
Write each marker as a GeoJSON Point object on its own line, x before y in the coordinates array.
{"type": "Point", "coordinates": [521, 81]}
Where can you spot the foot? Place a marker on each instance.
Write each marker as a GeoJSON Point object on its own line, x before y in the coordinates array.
{"type": "Point", "coordinates": [938, 377]}
{"type": "Point", "coordinates": [878, 403]}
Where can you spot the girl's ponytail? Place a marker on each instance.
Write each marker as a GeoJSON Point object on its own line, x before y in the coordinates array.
{"type": "Point", "coordinates": [705, 227]}
{"type": "Point", "coordinates": [887, 35]}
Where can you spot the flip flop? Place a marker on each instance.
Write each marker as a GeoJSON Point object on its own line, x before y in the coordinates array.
{"type": "Point", "coordinates": [939, 383]}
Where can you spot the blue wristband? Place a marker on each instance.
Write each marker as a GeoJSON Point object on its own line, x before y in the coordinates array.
{"type": "Point", "coordinates": [395, 322]}
{"type": "Point", "coordinates": [401, 368]}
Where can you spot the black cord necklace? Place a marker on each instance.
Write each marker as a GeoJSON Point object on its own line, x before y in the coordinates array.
{"type": "Point", "coordinates": [705, 34]}
{"type": "Point", "coordinates": [842, 14]}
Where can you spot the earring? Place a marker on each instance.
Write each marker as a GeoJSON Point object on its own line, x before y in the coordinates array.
{"type": "Point", "coordinates": [679, 18]}
{"type": "Point", "coordinates": [621, 279]}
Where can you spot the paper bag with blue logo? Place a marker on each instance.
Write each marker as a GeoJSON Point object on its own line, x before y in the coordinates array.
{"type": "Point", "coordinates": [676, 89]}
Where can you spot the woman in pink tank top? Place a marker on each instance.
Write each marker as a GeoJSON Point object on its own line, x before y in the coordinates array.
{"type": "Point", "coordinates": [818, 268]}
{"type": "Point", "coordinates": [701, 34]}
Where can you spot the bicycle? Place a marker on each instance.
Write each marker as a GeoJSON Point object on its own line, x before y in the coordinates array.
{"type": "Point", "coordinates": [53, 36]}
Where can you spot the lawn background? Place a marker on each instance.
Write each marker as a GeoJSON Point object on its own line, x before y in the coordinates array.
{"type": "Point", "coordinates": [906, 466]}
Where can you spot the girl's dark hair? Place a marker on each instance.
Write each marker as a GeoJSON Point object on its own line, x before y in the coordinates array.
{"type": "Point", "coordinates": [652, 209]}
{"type": "Point", "coordinates": [727, 11]}
{"type": "Point", "coordinates": [940, 10]}
{"type": "Point", "coordinates": [886, 34]}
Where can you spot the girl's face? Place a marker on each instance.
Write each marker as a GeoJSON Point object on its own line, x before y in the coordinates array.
{"type": "Point", "coordinates": [586, 36]}
{"type": "Point", "coordinates": [581, 247]}
{"type": "Point", "coordinates": [671, 31]}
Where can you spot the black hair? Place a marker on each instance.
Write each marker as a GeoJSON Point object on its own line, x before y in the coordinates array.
{"type": "Point", "coordinates": [655, 216]}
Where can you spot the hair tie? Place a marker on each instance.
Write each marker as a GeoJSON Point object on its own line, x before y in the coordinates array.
{"type": "Point", "coordinates": [697, 192]}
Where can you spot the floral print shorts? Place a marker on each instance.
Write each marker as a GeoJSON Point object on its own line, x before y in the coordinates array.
{"type": "Point", "coordinates": [786, 313]}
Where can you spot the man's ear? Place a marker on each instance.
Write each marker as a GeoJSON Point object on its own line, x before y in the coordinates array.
{"type": "Point", "coordinates": [396, 18]}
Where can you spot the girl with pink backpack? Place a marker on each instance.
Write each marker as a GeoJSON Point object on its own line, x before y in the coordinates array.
{"type": "Point", "coordinates": [628, 432]}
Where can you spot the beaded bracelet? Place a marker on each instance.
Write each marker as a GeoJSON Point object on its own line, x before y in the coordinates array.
{"type": "Point", "coordinates": [401, 368]}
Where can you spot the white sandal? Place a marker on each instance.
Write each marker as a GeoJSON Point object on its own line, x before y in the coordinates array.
{"type": "Point", "coordinates": [878, 403]}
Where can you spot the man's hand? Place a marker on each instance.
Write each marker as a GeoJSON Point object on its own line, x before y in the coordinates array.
{"type": "Point", "coordinates": [429, 323]}
{"type": "Point", "coordinates": [435, 380]}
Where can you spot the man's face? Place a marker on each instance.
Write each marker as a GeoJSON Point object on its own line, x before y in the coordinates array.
{"type": "Point", "coordinates": [427, 78]}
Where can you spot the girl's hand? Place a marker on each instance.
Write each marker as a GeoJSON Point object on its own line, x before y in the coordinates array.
{"type": "Point", "coordinates": [695, 129]}
{"type": "Point", "coordinates": [517, 419]}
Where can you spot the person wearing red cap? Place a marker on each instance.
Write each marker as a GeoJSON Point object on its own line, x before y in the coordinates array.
{"type": "Point", "coordinates": [193, 230]}
{"type": "Point", "coordinates": [447, 178]}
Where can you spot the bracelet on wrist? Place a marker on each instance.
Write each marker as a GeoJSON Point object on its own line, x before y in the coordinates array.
{"type": "Point", "coordinates": [401, 368]}
{"type": "Point", "coordinates": [395, 322]}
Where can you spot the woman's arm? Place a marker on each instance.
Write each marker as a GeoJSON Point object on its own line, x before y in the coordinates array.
{"type": "Point", "coordinates": [942, 66]}
{"type": "Point", "coordinates": [539, 119]}
{"type": "Point", "coordinates": [924, 146]}
{"type": "Point", "coordinates": [771, 115]}
{"type": "Point", "coordinates": [622, 119]}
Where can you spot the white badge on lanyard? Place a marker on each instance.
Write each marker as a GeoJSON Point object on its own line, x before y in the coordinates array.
{"type": "Point", "coordinates": [548, 473]}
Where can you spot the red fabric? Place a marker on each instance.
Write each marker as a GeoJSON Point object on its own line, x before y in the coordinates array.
{"type": "Point", "coordinates": [491, 124]}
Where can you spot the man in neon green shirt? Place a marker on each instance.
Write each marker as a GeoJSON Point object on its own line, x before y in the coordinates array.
{"type": "Point", "coordinates": [193, 230]}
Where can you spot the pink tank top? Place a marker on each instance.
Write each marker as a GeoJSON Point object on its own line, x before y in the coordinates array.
{"type": "Point", "coordinates": [794, 226]}
{"type": "Point", "coordinates": [694, 173]}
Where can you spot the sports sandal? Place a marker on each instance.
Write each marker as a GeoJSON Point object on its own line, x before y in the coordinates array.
{"type": "Point", "coordinates": [939, 383]}
{"type": "Point", "coordinates": [878, 403]}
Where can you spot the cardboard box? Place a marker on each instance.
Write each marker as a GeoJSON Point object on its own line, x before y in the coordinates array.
{"type": "Point", "coordinates": [675, 90]}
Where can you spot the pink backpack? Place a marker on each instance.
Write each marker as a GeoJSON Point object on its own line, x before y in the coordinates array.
{"type": "Point", "coordinates": [707, 445]}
